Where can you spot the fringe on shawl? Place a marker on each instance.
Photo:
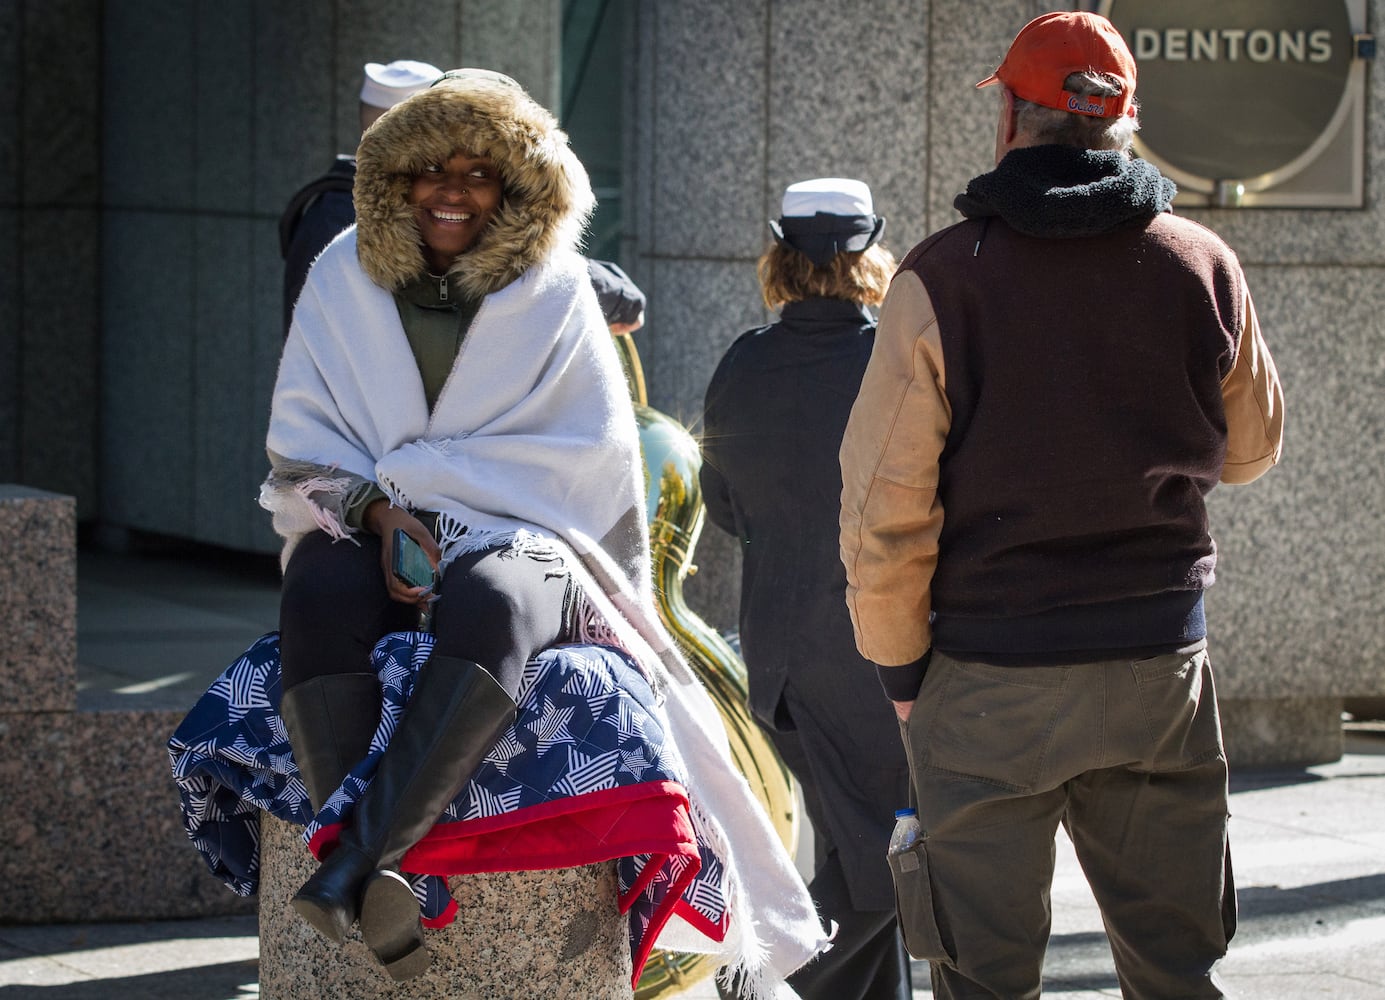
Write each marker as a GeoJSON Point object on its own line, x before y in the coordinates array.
{"type": "Point", "coordinates": [396, 493]}
{"type": "Point", "coordinates": [305, 496]}
{"type": "Point", "coordinates": [457, 539]}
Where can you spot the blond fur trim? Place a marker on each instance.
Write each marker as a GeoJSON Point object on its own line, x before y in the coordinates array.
{"type": "Point", "coordinates": [547, 201]}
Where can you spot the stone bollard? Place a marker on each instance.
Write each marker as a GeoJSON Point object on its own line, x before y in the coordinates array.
{"type": "Point", "coordinates": [78, 788]}
{"type": "Point", "coordinates": [38, 601]}
{"type": "Point", "coordinates": [1278, 731]}
{"type": "Point", "coordinates": [553, 934]}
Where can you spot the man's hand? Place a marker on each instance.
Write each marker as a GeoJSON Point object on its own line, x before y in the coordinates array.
{"type": "Point", "coordinates": [382, 518]}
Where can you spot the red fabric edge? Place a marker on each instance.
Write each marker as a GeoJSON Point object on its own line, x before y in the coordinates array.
{"type": "Point", "coordinates": [699, 922]}
{"type": "Point", "coordinates": [647, 874]}
{"type": "Point", "coordinates": [442, 919]}
{"type": "Point", "coordinates": [648, 818]}
{"type": "Point", "coordinates": [672, 900]}
{"type": "Point", "coordinates": [650, 824]}
{"type": "Point", "coordinates": [679, 906]}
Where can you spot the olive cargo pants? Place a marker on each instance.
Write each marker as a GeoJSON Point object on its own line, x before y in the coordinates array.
{"type": "Point", "coordinates": [1127, 755]}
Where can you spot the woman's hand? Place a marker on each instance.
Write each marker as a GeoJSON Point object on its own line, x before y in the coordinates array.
{"type": "Point", "coordinates": [382, 518]}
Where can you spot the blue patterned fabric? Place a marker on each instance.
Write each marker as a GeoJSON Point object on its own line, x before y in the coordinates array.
{"type": "Point", "coordinates": [586, 743]}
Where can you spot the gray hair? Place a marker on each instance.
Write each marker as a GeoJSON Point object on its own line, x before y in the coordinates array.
{"type": "Point", "coordinates": [1066, 128]}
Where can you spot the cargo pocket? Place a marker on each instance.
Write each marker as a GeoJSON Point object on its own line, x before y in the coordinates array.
{"type": "Point", "coordinates": [913, 899]}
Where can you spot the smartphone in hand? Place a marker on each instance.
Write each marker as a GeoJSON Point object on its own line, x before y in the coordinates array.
{"type": "Point", "coordinates": [411, 563]}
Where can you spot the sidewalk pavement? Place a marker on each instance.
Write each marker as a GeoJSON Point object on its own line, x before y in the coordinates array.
{"type": "Point", "coordinates": [1308, 843]}
{"type": "Point", "coordinates": [1309, 850]}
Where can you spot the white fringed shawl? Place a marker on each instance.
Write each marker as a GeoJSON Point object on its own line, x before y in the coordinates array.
{"type": "Point", "coordinates": [533, 431]}
{"type": "Point", "coordinates": [534, 412]}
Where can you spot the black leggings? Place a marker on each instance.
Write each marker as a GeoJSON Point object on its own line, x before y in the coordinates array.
{"type": "Point", "coordinates": [496, 608]}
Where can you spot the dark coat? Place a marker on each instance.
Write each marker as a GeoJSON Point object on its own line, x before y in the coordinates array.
{"type": "Point", "coordinates": [775, 412]}
{"type": "Point", "coordinates": [315, 216]}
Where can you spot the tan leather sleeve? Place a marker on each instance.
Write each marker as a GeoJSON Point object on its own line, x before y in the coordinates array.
{"type": "Point", "coordinates": [1254, 403]}
{"type": "Point", "coordinates": [891, 515]}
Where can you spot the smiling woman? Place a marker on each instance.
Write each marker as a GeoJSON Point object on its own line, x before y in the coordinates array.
{"type": "Point", "coordinates": [446, 370]}
{"type": "Point", "coordinates": [449, 381]}
{"type": "Point", "coordinates": [454, 202]}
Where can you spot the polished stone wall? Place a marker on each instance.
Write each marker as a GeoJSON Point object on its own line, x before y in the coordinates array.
{"type": "Point", "coordinates": [38, 601]}
{"type": "Point", "coordinates": [732, 100]}
{"type": "Point", "coordinates": [142, 172]}
{"type": "Point", "coordinates": [195, 178]}
{"type": "Point", "coordinates": [145, 155]}
{"type": "Point", "coordinates": [795, 90]}
{"type": "Point", "coordinates": [88, 811]}
{"type": "Point", "coordinates": [50, 182]}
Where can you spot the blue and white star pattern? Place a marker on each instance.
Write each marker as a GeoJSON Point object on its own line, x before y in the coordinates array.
{"type": "Point", "coordinates": [586, 735]}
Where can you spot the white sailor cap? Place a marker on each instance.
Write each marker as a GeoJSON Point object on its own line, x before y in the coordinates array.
{"type": "Point", "coordinates": [829, 195]}
{"type": "Point", "coordinates": [388, 84]}
{"type": "Point", "coordinates": [826, 216]}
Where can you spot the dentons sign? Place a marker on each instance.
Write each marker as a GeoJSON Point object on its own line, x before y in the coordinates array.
{"type": "Point", "coordinates": [1257, 45]}
{"type": "Point", "coordinates": [1238, 91]}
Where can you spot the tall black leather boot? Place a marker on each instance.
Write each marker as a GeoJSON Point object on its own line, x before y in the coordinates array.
{"type": "Point", "coordinates": [330, 720]}
{"type": "Point", "coordinates": [457, 712]}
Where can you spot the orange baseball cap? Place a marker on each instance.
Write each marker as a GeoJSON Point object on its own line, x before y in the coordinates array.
{"type": "Point", "coordinates": [1051, 47]}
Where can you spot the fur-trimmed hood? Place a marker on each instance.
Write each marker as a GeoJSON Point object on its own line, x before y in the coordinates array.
{"type": "Point", "coordinates": [547, 195]}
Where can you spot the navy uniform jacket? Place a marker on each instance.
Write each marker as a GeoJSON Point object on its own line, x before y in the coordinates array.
{"type": "Point", "coordinates": [775, 412]}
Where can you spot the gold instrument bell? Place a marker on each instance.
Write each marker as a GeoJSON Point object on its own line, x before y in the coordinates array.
{"type": "Point", "coordinates": [676, 515]}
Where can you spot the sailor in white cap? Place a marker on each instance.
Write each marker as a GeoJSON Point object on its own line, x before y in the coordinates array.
{"type": "Point", "coordinates": [322, 208]}
{"type": "Point", "coordinates": [772, 425]}
{"type": "Point", "coordinates": [386, 84]}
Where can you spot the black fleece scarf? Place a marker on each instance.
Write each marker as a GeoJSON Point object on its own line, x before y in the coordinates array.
{"type": "Point", "coordinates": [1056, 192]}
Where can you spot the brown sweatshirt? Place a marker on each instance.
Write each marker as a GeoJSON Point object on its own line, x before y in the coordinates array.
{"type": "Point", "coordinates": [1040, 422]}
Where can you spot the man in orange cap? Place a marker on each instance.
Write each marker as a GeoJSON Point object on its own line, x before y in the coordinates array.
{"type": "Point", "coordinates": [1056, 384]}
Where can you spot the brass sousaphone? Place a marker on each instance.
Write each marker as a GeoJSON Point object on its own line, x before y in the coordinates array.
{"type": "Point", "coordinates": [676, 515]}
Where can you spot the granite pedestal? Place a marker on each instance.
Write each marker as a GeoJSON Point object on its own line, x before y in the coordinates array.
{"type": "Point", "coordinates": [88, 812]}
{"type": "Point", "coordinates": [552, 934]}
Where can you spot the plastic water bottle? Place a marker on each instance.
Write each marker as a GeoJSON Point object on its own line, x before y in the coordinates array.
{"type": "Point", "coordinates": [907, 831]}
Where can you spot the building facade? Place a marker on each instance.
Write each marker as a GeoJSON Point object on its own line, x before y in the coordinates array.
{"type": "Point", "coordinates": [147, 149]}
